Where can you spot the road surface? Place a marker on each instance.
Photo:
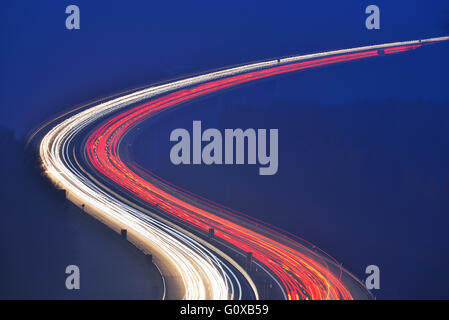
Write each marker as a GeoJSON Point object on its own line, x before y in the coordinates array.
{"type": "Point", "coordinates": [82, 153]}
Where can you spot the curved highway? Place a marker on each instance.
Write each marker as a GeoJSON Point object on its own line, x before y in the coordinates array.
{"type": "Point", "coordinates": [83, 155]}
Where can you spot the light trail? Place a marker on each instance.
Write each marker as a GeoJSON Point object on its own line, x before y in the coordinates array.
{"type": "Point", "coordinates": [302, 273]}
{"type": "Point", "coordinates": [202, 274]}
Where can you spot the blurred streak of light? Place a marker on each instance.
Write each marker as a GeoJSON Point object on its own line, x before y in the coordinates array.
{"type": "Point", "coordinates": [202, 273]}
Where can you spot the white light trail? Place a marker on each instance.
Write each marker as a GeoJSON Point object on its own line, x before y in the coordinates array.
{"type": "Point", "coordinates": [202, 274]}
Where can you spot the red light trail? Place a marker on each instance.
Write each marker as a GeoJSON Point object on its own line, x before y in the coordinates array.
{"type": "Point", "coordinates": [302, 275]}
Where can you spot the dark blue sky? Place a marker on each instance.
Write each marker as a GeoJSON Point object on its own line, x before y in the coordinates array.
{"type": "Point", "coordinates": [363, 167]}
{"type": "Point", "coordinates": [46, 68]}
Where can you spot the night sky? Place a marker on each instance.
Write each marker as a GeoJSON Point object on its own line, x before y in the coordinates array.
{"type": "Point", "coordinates": [363, 146]}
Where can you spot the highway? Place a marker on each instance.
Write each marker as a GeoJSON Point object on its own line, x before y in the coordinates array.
{"type": "Point", "coordinates": [82, 153]}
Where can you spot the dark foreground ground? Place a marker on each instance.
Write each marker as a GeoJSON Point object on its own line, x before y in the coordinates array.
{"type": "Point", "coordinates": [41, 233]}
